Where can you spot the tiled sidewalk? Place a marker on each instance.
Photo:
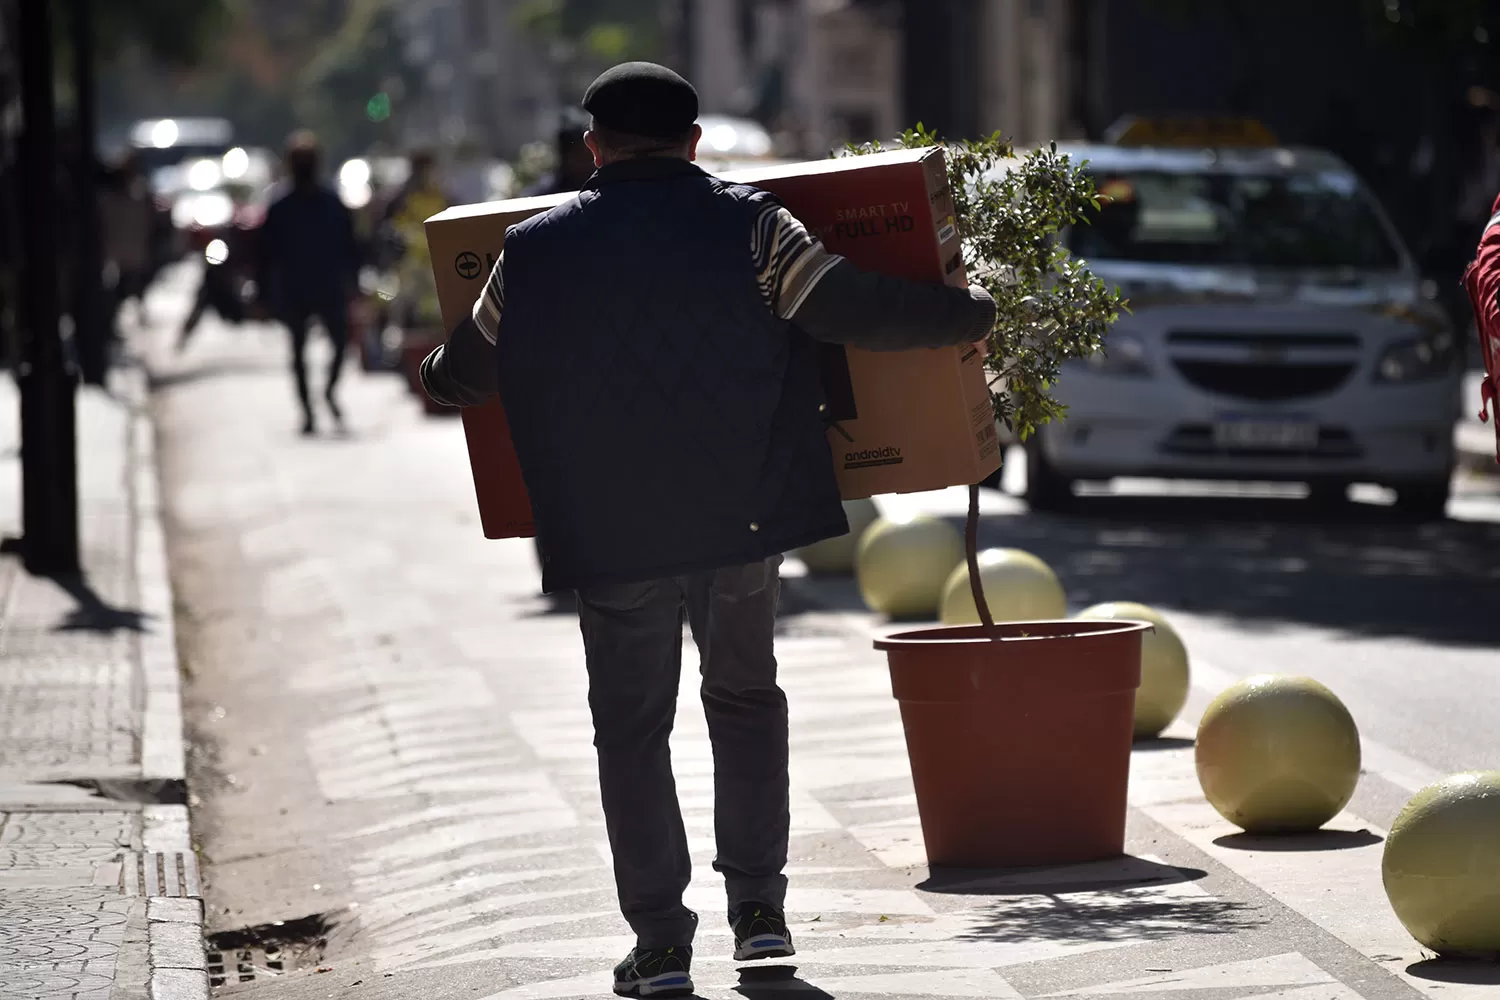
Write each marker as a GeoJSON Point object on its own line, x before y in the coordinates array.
{"type": "Point", "coordinates": [99, 893]}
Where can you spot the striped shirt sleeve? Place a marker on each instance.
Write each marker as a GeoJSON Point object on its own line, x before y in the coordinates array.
{"type": "Point", "coordinates": [789, 260]}
{"type": "Point", "coordinates": [491, 303]}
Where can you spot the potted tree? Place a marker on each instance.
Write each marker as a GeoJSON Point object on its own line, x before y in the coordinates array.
{"type": "Point", "coordinates": [1019, 735]}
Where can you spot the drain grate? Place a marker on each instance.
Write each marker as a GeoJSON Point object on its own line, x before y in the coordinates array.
{"type": "Point", "coordinates": [161, 873]}
{"type": "Point", "coordinates": [245, 965]}
{"type": "Point", "coordinates": [256, 954]}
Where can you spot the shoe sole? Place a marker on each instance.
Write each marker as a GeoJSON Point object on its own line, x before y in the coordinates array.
{"type": "Point", "coordinates": [668, 984]}
{"type": "Point", "coordinates": [763, 946]}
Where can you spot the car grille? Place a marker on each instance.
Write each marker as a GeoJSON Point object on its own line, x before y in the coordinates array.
{"type": "Point", "coordinates": [1264, 382]}
{"type": "Point", "coordinates": [1282, 341]}
{"type": "Point", "coordinates": [1264, 366]}
{"type": "Point", "coordinates": [1198, 439]}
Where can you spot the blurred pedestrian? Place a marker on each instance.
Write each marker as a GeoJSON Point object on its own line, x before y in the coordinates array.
{"type": "Point", "coordinates": [659, 306]}
{"type": "Point", "coordinates": [575, 162]}
{"type": "Point", "coordinates": [422, 196]}
{"type": "Point", "coordinates": [126, 221]}
{"type": "Point", "coordinates": [308, 267]}
{"type": "Point", "coordinates": [227, 261]}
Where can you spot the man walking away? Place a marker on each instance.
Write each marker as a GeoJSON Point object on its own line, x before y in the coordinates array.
{"type": "Point", "coordinates": [671, 319]}
{"type": "Point", "coordinates": [308, 266]}
{"type": "Point", "coordinates": [575, 165]}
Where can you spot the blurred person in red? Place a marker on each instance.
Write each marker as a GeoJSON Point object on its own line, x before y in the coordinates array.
{"type": "Point", "coordinates": [308, 267]}
{"type": "Point", "coordinates": [1482, 279]}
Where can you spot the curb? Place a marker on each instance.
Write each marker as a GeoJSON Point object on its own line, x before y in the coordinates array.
{"type": "Point", "coordinates": [162, 755]}
{"type": "Point", "coordinates": [162, 957]}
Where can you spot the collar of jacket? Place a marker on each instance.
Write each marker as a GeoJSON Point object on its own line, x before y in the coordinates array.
{"type": "Point", "coordinates": [646, 168]}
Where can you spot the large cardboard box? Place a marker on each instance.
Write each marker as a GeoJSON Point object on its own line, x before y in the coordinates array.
{"type": "Point", "coordinates": [900, 423]}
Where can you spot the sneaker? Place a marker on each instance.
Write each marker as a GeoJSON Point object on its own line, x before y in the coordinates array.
{"type": "Point", "coordinates": [760, 932]}
{"type": "Point", "coordinates": [655, 972]}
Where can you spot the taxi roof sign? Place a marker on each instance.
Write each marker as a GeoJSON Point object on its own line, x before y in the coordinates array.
{"type": "Point", "coordinates": [1191, 131]}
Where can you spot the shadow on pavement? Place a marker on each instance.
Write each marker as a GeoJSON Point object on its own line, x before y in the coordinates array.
{"type": "Point", "coordinates": [1161, 743]}
{"type": "Point", "coordinates": [1270, 561]}
{"type": "Point", "coordinates": [767, 982]}
{"type": "Point", "coordinates": [1120, 899]}
{"type": "Point", "coordinates": [1319, 840]}
{"type": "Point", "coordinates": [1457, 971]}
{"type": "Point", "coordinates": [93, 613]}
{"type": "Point", "coordinates": [209, 370]}
{"type": "Point", "coordinates": [1124, 915]}
{"type": "Point", "coordinates": [1116, 874]}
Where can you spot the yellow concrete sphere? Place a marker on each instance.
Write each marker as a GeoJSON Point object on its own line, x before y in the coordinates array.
{"type": "Point", "coordinates": [902, 564]}
{"type": "Point", "coordinates": [1165, 676]}
{"type": "Point", "coordinates": [1442, 865]}
{"type": "Point", "coordinates": [835, 556]}
{"type": "Point", "coordinates": [1018, 587]}
{"type": "Point", "coordinates": [1278, 754]}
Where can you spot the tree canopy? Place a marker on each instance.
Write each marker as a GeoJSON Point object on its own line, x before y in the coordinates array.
{"type": "Point", "coordinates": [175, 32]}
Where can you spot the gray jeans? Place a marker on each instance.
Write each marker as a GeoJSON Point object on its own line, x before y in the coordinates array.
{"type": "Point", "coordinates": [632, 637]}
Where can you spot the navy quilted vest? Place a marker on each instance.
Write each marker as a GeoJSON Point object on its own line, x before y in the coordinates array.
{"type": "Point", "coordinates": [665, 420]}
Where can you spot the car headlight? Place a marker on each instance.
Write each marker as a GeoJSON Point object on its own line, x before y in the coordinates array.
{"type": "Point", "coordinates": [210, 211]}
{"type": "Point", "coordinates": [1122, 355]}
{"type": "Point", "coordinates": [1418, 359]}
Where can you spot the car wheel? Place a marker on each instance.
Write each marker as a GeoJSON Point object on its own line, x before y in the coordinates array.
{"type": "Point", "coordinates": [1426, 500]}
{"type": "Point", "coordinates": [1328, 494]}
{"type": "Point", "coordinates": [1046, 489]}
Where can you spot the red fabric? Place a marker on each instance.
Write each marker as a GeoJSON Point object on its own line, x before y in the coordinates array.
{"type": "Point", "coordinates": [1482, 279]}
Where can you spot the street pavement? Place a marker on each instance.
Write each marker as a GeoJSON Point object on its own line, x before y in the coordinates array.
{"type": "Point", "coordinates": [99, 896]}
{"type": "Point", "coordinates": [393, 783]}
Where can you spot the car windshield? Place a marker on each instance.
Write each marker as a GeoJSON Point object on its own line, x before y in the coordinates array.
{"type": "Point", "coordinates": [1301, 221]}
{"type": "Point", "coordinates": [151, 158]}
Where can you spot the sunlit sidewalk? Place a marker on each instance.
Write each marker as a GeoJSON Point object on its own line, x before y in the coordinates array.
{"type": "Point", "coordinates": [98, 881]}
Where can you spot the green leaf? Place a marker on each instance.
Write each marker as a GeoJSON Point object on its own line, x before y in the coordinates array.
{"type": "Point", "coordinates": [1050, 307]}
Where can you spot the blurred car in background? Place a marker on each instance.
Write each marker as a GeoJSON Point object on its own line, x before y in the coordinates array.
{"type": "Point", "coordinates": [220, 224]}
{"type": "Point", "coordinates": [733, 144]}
{"type": "Point", "coordinates": [1278, 330]}
{"type": "Point", "coordinates": [166, 142]}
{"type": "Point", "coordinates": [203, 194]}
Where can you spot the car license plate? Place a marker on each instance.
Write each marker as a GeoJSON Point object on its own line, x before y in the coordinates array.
{"type": "Point", "coordinates": [1266, 433]}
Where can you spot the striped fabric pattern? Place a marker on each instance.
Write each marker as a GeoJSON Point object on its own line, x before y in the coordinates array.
{"type": "Point", "coordinates": [491, 303]}
{"type": "Point", "coordinates": [788, 260]}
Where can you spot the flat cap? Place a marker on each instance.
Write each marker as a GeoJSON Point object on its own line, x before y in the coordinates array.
{"type": "Point", "coordinates": [642, 98]}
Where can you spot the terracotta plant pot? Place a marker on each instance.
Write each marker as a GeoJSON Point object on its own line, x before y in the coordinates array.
{"type": "Point", "coordinates": [415, 346]}
{"type": "Point", "coordinates": [1019, 736]}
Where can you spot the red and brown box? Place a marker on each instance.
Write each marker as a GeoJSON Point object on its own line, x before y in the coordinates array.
{"type": "Point", "coordinates": [901, 423]}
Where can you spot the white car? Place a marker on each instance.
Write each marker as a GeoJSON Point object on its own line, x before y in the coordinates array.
{"type": "Point", "coordinates": [1279, 331]}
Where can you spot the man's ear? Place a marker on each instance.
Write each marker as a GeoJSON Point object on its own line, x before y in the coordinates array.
{"type": "Point", "coordinates": [693, 144]}
{"type": "Point", "coordinates": [592, 142]}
